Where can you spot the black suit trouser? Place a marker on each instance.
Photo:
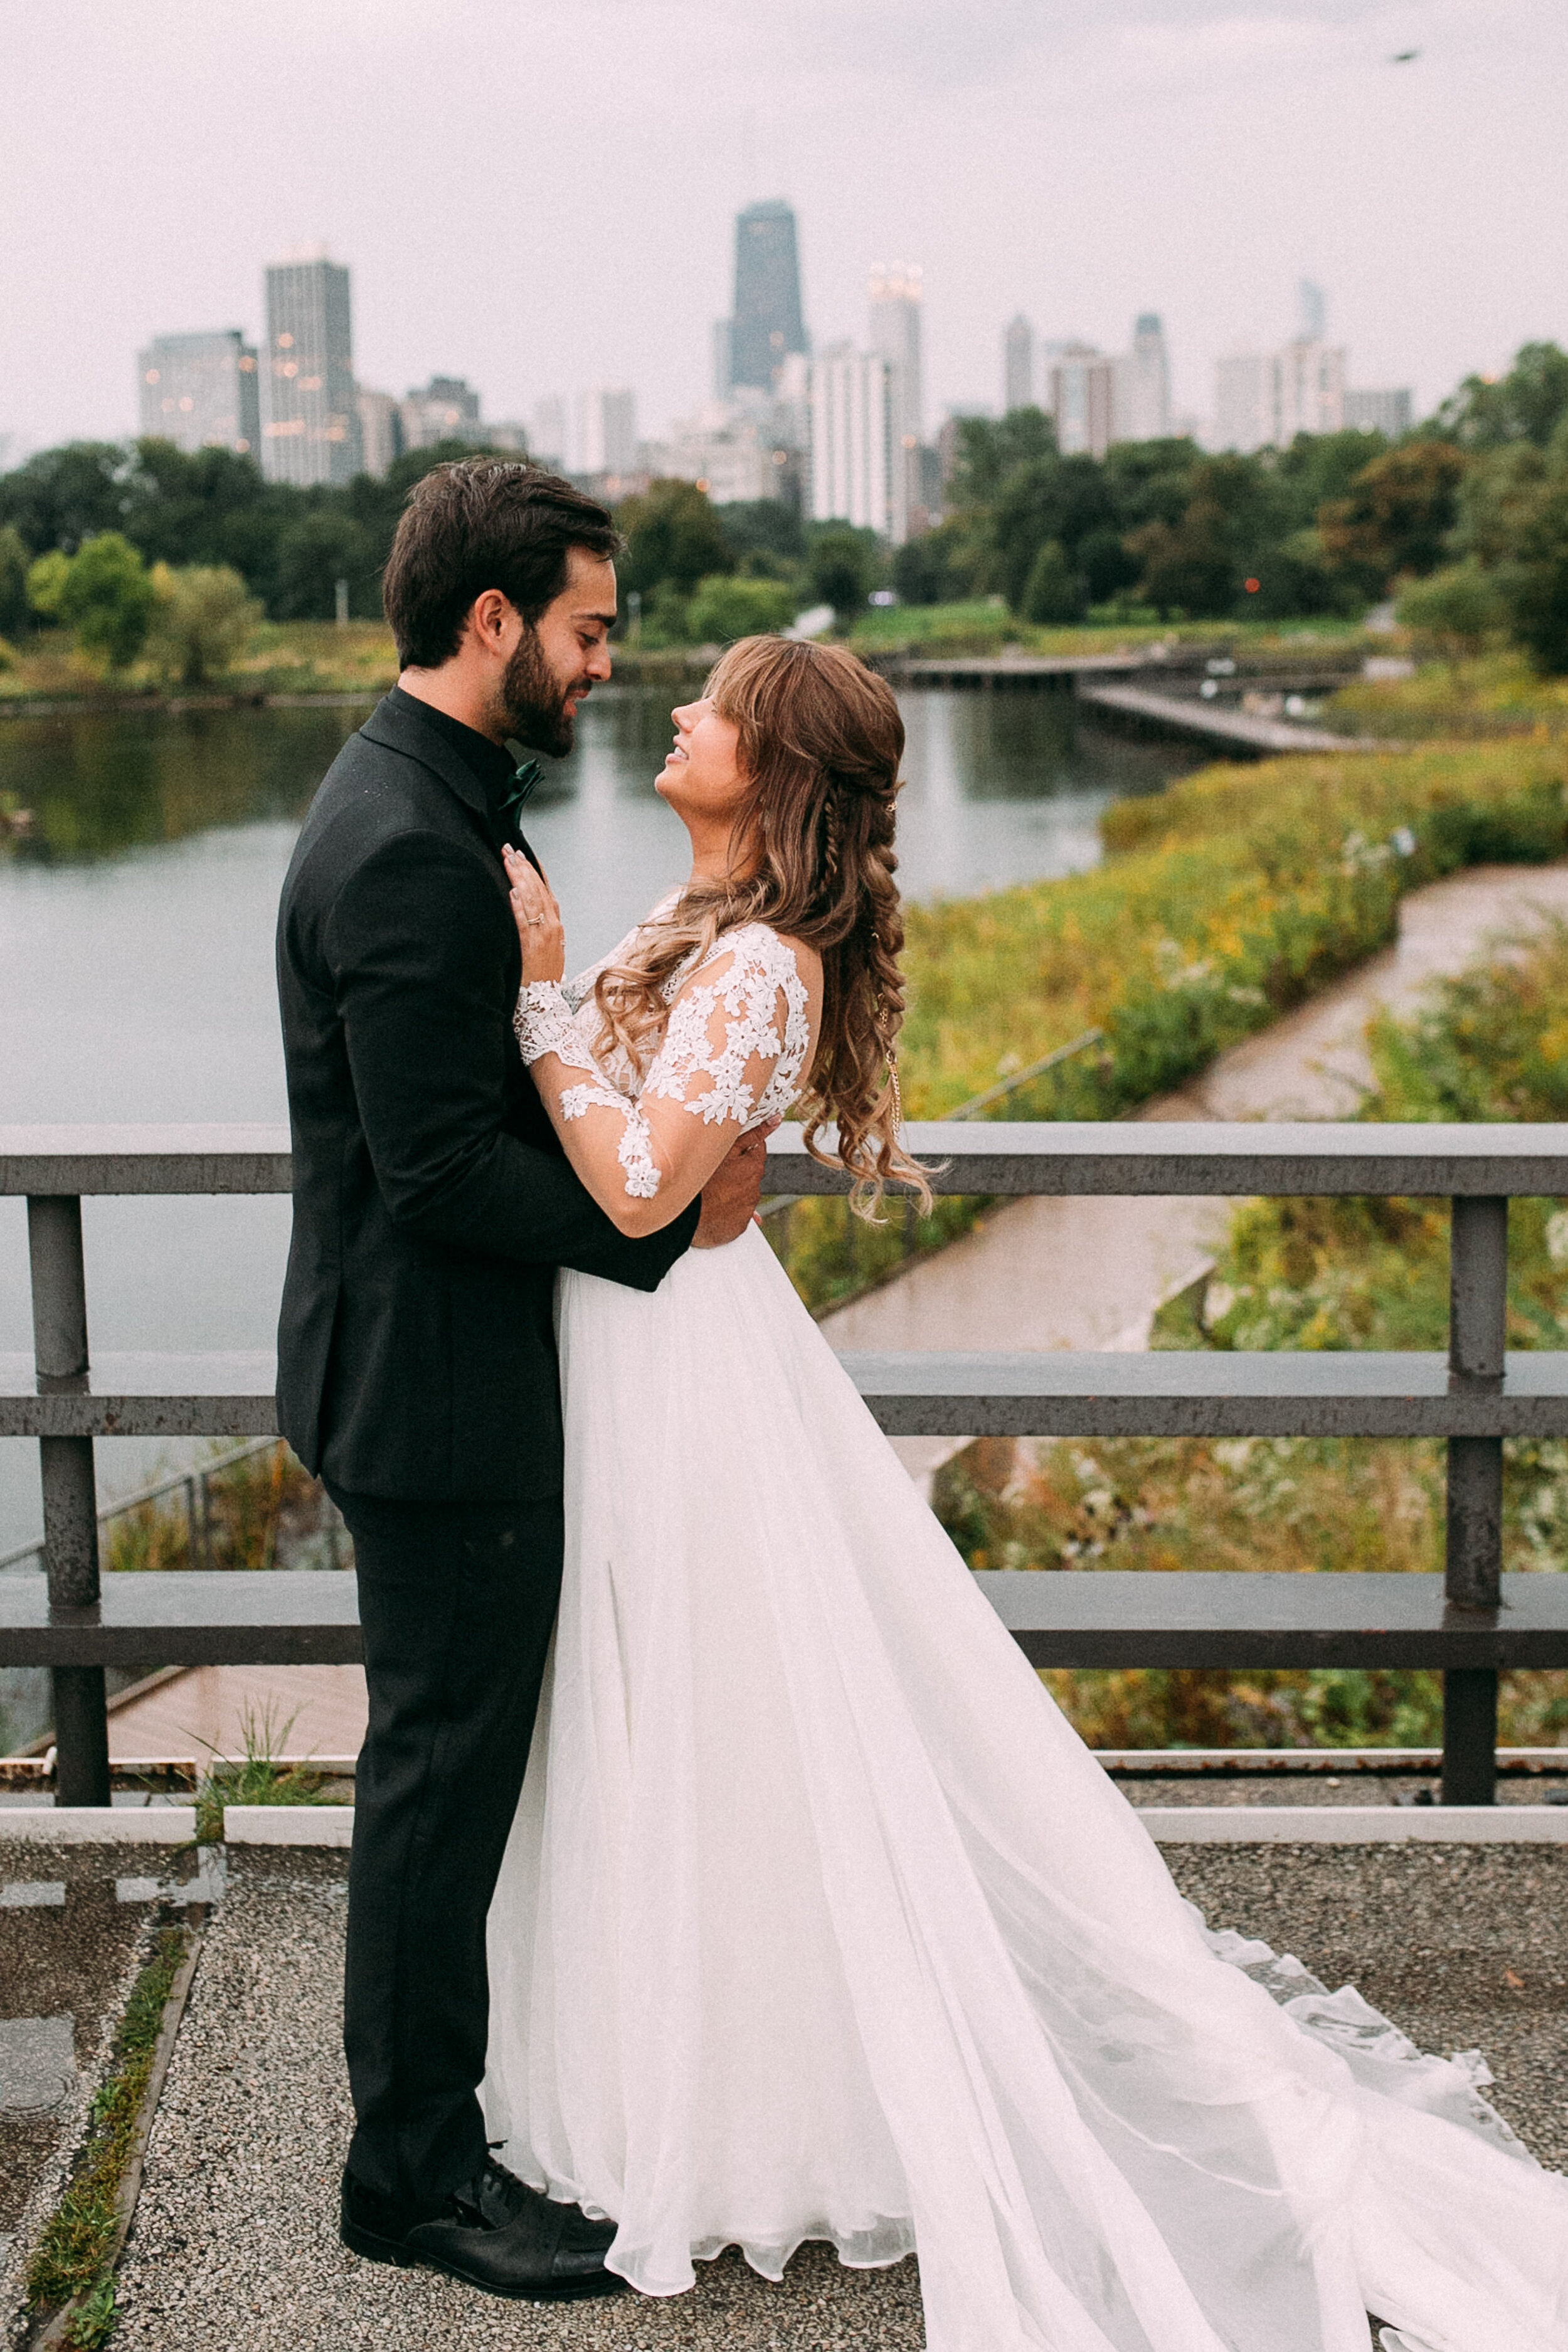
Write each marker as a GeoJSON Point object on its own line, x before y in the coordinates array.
{"type": "Point", "coordinates": [457, 1604]}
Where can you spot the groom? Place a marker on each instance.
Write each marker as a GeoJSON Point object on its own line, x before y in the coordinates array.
{"type": "Point", "coordinates": [416, 1360]}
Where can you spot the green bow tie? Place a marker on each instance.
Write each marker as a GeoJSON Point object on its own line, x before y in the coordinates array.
{"type": "Point", "coordinates": [514, 801]}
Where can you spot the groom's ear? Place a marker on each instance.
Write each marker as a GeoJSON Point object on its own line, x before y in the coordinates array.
{"type": "Point", "coordinates": [494, 624]}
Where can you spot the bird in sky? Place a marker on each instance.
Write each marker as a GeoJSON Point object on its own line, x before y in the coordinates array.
{"type": "Point", "coordinates": [1403, 56]}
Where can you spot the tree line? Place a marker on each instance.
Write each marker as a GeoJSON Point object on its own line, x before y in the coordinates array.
{"type": "Point", "coordinates": [133, 543]}
{"type": "Point", "coordinates": [1475, 499]}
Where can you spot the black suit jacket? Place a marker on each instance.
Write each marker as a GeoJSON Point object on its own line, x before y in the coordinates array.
{"type": "Point", "coordinates": [432, 1200]}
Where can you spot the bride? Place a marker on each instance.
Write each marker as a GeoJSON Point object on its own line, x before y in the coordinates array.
{"type": "Point", "coordinates": [817, 1919]}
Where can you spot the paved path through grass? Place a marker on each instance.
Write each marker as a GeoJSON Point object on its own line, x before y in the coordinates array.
{"type": "Point", "coordinates": [1043, 1274]}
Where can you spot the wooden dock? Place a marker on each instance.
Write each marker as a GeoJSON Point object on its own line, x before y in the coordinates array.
{"type": "Point", "coordinates": [1238, 732]}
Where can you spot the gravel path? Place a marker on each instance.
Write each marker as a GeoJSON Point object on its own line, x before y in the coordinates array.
{"type": "Point", "coordinates": [235, 2240]}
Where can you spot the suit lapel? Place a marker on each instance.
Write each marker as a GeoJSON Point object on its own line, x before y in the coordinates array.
{"type": "Point", "coordinates": [403, 730]}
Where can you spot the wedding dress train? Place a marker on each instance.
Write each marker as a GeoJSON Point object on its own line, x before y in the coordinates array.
{"type": "Point", "coordinates": [819, 1921]}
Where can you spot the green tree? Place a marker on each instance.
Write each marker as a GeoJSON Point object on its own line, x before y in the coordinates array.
{"type": "Point", "coordinates": [314, 553]}
{"type": "Point", "coordinates": [727, 606]}
{"type": "Point", "coordinates": [1452, 613]}
{"type": "Point", "coordinates": [1059, 498]}
{"type": "Point", "coordinates": [1105, 565]}
{"type": "Point", "coordinates": [926, 570]}
{"type": "Point", "coordinates": [13, 567]}
{"type": "Point", "coordinates": [1150, 481]}
{"type": "Point", "coordinates": [203, 619]}
{"type": "Point", "coordinates": [1529, 404]}
{"type": "Point", "coordinates": [763, 532]}
{"type": "Point", "coordinates": [1498, 496]}
{"type": "Point", "coordinates": [991, 448]}
{"type": "Point", "coordinates": [1231, 521]}
{"type": "Point", "coordinates": [673, 535]}
{"type": "Point", "coordinates": [841, 566]}
{"type": "Point", "coordinates": [1397, 516]}
{"type": "Point", "coordinates": [1534, 585]}
{"type": "Point", "coordinates": [103, 592]}
{"type": "Point", "coordinates": [1053, 591]}
{"type": "Point", "coordinates": [62, 496]}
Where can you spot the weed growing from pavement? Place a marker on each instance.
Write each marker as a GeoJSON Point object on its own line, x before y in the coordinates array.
{"type": "Point", "coordinates": [259, 1777]}
{"type": "Point", "coordinates": [74, 2249]}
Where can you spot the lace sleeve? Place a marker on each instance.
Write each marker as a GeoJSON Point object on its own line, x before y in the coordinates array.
{"type": "Point", "coordinates": [739, 1022]}
{"type": "Point", "coordinates": [734, 1048]}
{"type": "Point", "coordinates": [544, 1026]}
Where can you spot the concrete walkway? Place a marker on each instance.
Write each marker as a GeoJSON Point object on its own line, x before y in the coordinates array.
{"type": "Point", "coordinates": [1091, 1273]}
{"type": "Point", "coordinates": [235, 2239]}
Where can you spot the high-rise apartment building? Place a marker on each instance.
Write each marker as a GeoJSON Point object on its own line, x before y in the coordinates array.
{"type": "Point", "coordinates": [894, 319]}
{"type": "Point", "coordinates": [309, 412]}
{"type": "Point", "coordinates": [605, 438]}
{"type": "Point", "coordinates": [723, 358]}
{"type": "Point", "coordinates": [446, 409]}
{"type": "Point", "coordinates": [380, 430]}
{"type": "Point", "coordinates": [1243, 400]}
{"type": "Point", "coordinates": [1390, 413]}
{"type": "Point", "coordinates": [1308, 390]}
{"type": "Point", "coordinates": [1141, 402]}
{"type": "Point", "coordinates": [767, 324]}
{"type": "Point", "coordinates": [1083, 401]}
{"type": "Point", "coordinates": [1264, 399]}
{"type": "Point", "coordinates": [200, 391]}
{"type": "Point", "coordinates": [547, 432]}
{"type": "Point", "coordinates": [894, 297]}
{"type": "Point", "coordinates": [1017, 364]}
{"type": "Point", "coordinates": [858, 473]}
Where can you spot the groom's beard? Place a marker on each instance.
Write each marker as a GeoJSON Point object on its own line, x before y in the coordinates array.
{"type": "Point", "coordinates": [533, 700]}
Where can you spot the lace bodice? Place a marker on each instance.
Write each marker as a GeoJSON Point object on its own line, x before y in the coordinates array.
{"type": "Point", "coordinates": [734, 1047]}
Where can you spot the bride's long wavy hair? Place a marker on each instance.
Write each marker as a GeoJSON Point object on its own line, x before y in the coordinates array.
{"type": "Point", "coordinates": [821, 739]}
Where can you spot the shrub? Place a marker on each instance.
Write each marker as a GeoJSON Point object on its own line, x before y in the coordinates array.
{"type": "Point", "coordinates": [727, 606]}
{"type": "Point", "coordinates": [1053, 591]}
{"type": "Point", "coordinates": [204, 620]}
{"type": "Point", "coordinates": [1453, 612]}
{"type": "Point", "coordinates": [104, 592]}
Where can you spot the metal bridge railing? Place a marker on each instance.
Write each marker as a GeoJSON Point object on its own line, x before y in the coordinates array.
{"type": "Point", "coordinates": [1470, 1623]}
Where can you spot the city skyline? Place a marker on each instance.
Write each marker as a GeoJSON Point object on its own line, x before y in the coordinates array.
{"type": "Point", "coordinates": [1193, 156]}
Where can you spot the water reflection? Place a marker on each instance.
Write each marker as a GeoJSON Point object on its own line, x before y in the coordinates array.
{"type": "Point", "coordinates": [99, 786]}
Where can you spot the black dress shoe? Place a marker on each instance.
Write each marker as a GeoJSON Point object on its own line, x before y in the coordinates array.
{"type": "Point", "coordinates": [495, 2232]}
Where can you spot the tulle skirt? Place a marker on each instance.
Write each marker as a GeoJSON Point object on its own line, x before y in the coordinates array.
{"type": "Point", "coordinates": [819, 1921]}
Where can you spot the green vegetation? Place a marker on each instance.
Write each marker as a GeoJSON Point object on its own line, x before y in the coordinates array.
{"type": "Point", "coordinates": [1491, 1043]}
{"type": "Point", "coordinates": [1226, 899]}
{"type": "Point", "coordinates": [203, 621]}
{"type": "Point", "coordinates": [259, 1777]}
{"type": "Point", "coordinates": [250, 1502]}
{"type": "Point", "coordinates": [72, 2255]}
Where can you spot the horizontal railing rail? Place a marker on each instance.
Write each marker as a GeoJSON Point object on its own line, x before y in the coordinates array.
{"type": "Point", "coordinates": [1470, 1623]}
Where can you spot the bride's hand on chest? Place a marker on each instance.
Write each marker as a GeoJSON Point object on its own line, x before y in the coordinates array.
{"type": "Point", "coordinates": [538, 919]}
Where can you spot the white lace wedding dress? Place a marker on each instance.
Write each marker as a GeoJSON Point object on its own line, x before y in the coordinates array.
{"type": "Point", "coordinates": [818, 1921]}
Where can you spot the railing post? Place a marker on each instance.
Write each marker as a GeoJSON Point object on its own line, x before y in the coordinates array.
{"type": "Point", "coordinates": [1478, 1319]}
{"type": "Point", "coordinates": [71, 1491]}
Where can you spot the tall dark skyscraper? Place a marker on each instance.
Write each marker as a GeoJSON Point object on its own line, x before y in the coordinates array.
{"type": "Point", "coordinates": [767, 324]}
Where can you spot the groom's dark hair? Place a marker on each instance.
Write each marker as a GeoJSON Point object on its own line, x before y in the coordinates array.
{"type": "Point", "coordinates": [483, 523]}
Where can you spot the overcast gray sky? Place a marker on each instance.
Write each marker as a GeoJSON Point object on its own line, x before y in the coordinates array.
{"type": "Point", "coordinates": [539, 193]}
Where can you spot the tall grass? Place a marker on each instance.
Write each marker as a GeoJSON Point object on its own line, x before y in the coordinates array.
{"type": "Point", "coordinates": [1491, 1043]}
{"type": "Point", "coordinates": [1223, 901]}
{"type": "Point", "coordinates": [251, 1504]}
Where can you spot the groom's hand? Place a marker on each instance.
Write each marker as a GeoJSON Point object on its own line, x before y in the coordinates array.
{"type": "Point", "coordinates": [731, 1195]}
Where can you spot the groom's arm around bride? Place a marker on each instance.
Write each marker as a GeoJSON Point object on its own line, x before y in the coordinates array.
{"type": "Point", "coordinates": [416, 1356]}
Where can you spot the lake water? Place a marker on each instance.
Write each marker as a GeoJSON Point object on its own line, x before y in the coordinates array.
{"type": "Point", "coordinates": [136, 947]}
